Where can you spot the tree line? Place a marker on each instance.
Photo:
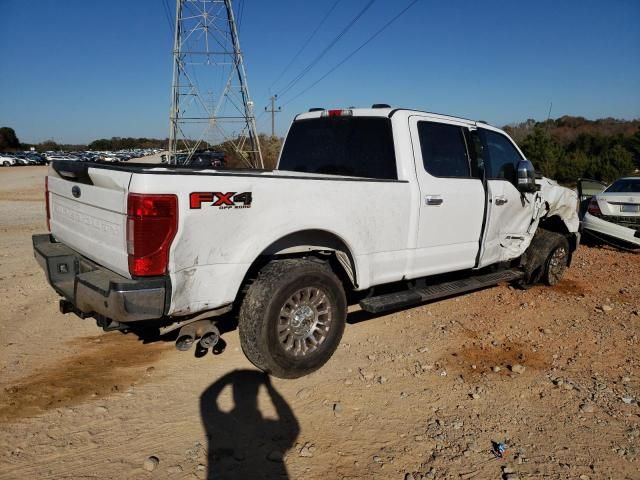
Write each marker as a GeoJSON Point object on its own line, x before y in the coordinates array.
{"type": "Point", "coordinates": [569, 148]}
{"type": "Point", "coordinates": [9, 142]}
{"type": "Point", "coordinates": [565, 149]}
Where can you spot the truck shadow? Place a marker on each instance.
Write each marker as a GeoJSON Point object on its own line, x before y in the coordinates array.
{"type": "Point", "coordinates": [228, 323]}
{"type": "Point", "coordinates": [242, 443]}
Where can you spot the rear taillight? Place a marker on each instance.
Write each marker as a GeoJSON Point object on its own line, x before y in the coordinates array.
{"type": "Point", "coordinates": [46, 202]}
{"type": "Point", "coordinates": [152, 223]}
{"type": "Point", "coordinates": [594, 208]}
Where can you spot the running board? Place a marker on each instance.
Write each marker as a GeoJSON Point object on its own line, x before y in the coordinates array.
{"type": "Point", "coordinates": [414, 296]}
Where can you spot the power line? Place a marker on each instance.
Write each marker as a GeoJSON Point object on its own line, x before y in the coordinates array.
{"type": "Point", "coordinates": [241, 10]}
{"type": "Point", "coordinates": [306, 43]}
{"type": "Point", "coordinates": [345, 59]}
{"type": "Point", "coordinates": [167, 15]}
{"type": "Point", "coordinates": [326, 49]}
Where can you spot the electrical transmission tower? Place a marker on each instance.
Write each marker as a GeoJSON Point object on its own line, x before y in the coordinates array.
{"type": "Point", "coordinates": [210, 97]}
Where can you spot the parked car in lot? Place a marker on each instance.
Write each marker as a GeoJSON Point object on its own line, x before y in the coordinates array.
{"type": "Point", "coordinates": [24, 159]}
{"type": "Point", "coordinates": [613, 213]}
{"type": "Point", "coordinates": [21, 158]}
{"type": "Point", "coordinates": [388, 207]}
{"type": "Point", "coordinates": [206, 159]}
{"type": "Point", "coordinates": [8, 161]}
{"type": "Point", "coordinates": [36, 157]}
{"type": "Point", "coordinates": [51, 157]}
{"type": "Point", "coordinates": [85, 156]}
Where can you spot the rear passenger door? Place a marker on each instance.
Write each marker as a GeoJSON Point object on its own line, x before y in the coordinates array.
{"type": "Point", "coordinates": [509, 214]}
{"type": "Point", "coordinates": [451, 194]}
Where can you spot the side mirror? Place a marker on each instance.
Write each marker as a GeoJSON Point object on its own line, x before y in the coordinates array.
{"type": "Point", "coordinates": [526, 177]}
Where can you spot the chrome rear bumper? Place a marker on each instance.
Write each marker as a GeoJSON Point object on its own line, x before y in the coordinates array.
{"type": "Point", "coordinates": [94, 290]}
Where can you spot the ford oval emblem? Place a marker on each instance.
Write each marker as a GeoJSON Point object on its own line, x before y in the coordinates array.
{"type": "Point", "coordinates": [76, 191]}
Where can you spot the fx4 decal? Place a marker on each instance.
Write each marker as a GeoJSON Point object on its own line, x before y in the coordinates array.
{"type": "Point", "coordinates": [220, 199]}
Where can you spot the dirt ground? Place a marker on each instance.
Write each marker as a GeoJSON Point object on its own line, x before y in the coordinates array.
{"type": "Point", "coordinates": [421, 393]}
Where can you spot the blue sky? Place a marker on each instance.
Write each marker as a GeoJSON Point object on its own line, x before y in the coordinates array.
{"type": "Point", "coordinates": [77, 70]}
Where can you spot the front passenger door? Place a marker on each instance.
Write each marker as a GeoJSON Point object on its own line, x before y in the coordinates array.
{"type": "Point", "coordinates": [510, 212]}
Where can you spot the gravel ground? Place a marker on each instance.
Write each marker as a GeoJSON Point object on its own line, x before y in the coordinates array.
{"type": "Point", "coordinates": [552, 373]}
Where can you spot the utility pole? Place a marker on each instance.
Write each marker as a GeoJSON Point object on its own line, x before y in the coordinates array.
{"type": "Point", "coordinates": [210, 102]}
{"type": "Point", "coordinates": [273, 114]}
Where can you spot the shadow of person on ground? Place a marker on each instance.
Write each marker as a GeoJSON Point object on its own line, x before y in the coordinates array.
{"type": "Point", "coordinates": [241, 443]}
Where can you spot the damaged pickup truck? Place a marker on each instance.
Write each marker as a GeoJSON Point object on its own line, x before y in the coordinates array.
{"type": "Point", "coordinates": [388, 207]}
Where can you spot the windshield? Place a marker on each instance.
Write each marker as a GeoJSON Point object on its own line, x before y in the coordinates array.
{"type": "Point", "coordinates": [624, 185]}
{"type": "Point", "coordinates": [352, 146]}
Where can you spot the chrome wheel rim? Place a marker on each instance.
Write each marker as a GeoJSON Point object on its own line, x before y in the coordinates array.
{"type": "Point", "coordinates": [304, 321]}
{"type": "Point", "coordinates": [557, 264]}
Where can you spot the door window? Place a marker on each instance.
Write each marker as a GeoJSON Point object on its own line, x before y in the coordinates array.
{"type": "Point", "coordinates": [503, 158]}
{"type": "Point", "coordinates": [444, 150]}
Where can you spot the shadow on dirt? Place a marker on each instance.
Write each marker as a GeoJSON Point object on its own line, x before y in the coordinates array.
{"type": "Point", "coordinates": [362, 316]}
{"type": "Point", "coordinates": [228, 323]}
{"type": "Point", "coordinates": [242, 443]}
{"type": "Point", "coordinates": [602, 241]}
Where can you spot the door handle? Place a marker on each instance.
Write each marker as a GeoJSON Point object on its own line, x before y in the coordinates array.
{"type": "Point", "coordinates": [501, 200]}
{"type": "Point", "coordinates": [433, 200]}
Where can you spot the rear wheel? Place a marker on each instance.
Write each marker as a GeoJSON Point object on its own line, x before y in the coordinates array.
{"type": "Point", "coordinates": [292, 317]}
{"type": "Point", "coordinates": [6, 164]}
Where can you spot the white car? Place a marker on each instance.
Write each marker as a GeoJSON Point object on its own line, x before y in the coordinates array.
{"type": "Point", "coordinates": [7, 161]}
{"type": "Point", "coordinates": [615, 213]}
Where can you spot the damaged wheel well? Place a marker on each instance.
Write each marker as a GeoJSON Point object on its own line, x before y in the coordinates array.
{"type": "Point", "coordinates": [551, 233]}
{"type": "Point", "coordinates": [557, 225]}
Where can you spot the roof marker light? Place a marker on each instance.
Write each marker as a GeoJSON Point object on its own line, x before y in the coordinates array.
{"type": "Point", "coordinates": [337, 113]}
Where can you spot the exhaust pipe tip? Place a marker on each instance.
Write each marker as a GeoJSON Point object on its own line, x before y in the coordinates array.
{"type": "Point", "coordinates": [210, 337]}
{"type": "Point", "coordinates": [186, 337]}
{"type": "Point", "coordinates": [207, 332]}
{"type": "Point", "coordinates": [184, 342]}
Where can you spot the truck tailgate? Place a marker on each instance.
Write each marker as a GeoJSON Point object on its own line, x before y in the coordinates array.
{"type": "Point", "coordinates": [90, 215]}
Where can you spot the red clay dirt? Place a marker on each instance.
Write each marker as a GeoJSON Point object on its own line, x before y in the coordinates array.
{"type": "Point", "coordinates": [420, 393]}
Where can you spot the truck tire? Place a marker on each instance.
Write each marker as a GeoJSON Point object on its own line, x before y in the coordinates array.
{"type": "Point", "coordinates": [545, 260]}
{"type": "Point", "coordinates": [557, 261]}
{"type": "Point", "coordinates": [292, 317]}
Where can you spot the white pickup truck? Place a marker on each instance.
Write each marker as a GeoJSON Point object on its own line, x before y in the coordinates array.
{"type": "Point", "coordinates": [388, 207]}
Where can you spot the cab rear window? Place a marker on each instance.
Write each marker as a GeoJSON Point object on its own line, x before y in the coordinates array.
{"type": "Point", "coordinates": [353, 146]}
